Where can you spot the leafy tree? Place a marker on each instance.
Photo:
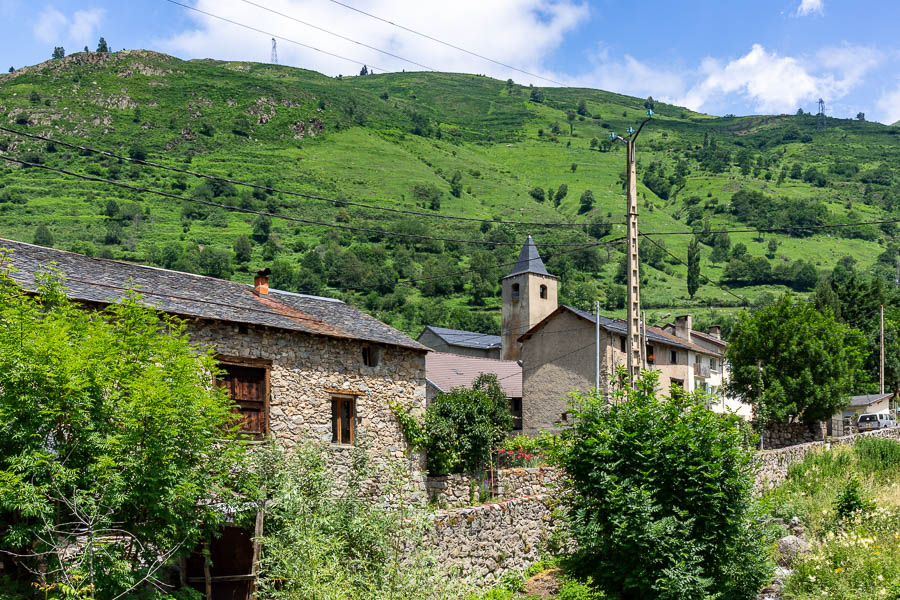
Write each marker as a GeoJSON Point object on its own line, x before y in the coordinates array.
{"type": "Point", "coordinates": [594, 143]}
{"type": "Point", "coordinates": [102, 46]}
{"type": "Point", "coordinates": [649, 104]}
{"type": "Point", "coordinates": [364, 70]}
{"type": "Point", "coordinates": [599, 228]}
{"type": "Point", "coordinates": [586, 202]}
{"type": "Point", "coordinates": [772, 248]}
{"type": "Point", "coordinates": [561, 193]}
{"type": "Point", "coordinates": [790, 360]}
{"type": "Point", "coordinates": [537, 95]}
{"type": "Point", "coordinates": [570, 117]}
{"type": "Point", "coordinates": [34, 97]}
{"type": "Point", "coordinates": [456, 184]}
{"type": "Point", "coordinates": [860, 116]}
{"type": "Point", "coordinates": [640, 508]}
{"type": "Point", "coordinates": [582, 108]}
{"type": "Point", "coordinates": [113, 442]}
{"type": "Point", "coordinates": [573, 167]}
{"type": "Point", "coordinates": [42, 236]}
{"type": "Point", "coordinates": [537, 193]}
{"type": "Point", "coordinates": [242, 249]}
{"type": "Point", "coordinates": [215, 262]}
{"type": "Point", "coordinates": [262, 225]}
{"type": "Point", "coordinates": [58, 52]}
{"type": "Point", "coordinates": [12, 69]}
{"type": "Point", "coordinates": [796, 171]}
{"type": "Point", "coordinates": [693, 272]}
{"type": "Point", "coordinates": [138, 152]}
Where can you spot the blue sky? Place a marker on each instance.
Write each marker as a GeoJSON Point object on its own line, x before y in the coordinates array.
{"type": "Point", "coordinates": [766, 56]}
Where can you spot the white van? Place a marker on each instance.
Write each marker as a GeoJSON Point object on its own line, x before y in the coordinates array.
{"type": "Point", "coordinates": [870, 421]}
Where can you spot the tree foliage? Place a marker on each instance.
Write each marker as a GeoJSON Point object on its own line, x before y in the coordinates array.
{"type": "Point", "coordinates": [693, 273]}
{"type": "Point", "coordinates": [112, 441]}
{"type": "Point", "coordinates": [790, 360]}
{"type": "Point", "coordinates": [661, 497]}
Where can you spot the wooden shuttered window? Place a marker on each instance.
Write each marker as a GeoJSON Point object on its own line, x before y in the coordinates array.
{"type": "Point", "coordinates": [343, 420]}
{"type": "Point", "coordinates": [248, 386]}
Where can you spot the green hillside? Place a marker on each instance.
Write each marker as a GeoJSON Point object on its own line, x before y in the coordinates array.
{"type": "Point", "coordinates": [460, 145]}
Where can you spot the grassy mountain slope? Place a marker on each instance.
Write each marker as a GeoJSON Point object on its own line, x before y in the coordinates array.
{"type": "Point", "coordinates": [397, 140]}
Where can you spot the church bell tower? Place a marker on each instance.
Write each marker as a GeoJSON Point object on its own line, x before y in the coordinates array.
{"type": "Point", "coordinates": [529, 295]}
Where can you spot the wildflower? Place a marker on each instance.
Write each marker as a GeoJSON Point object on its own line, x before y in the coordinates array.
{"type": "Point", "coordinates": [839, 570]}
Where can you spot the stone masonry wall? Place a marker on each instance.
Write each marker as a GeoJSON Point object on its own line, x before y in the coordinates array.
{"type": "Point", "coordinates": [486, 541]}
{"type": "Point", "coordinates": [306, 369]}
{"type": "Point", "coordinates": [781, 435]}
{"type": "Point", "coordinates": [450, 491]}
{"type": "Point", "coordinates": [772, 465]}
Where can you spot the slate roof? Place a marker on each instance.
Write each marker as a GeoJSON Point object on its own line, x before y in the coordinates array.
{"type": "Point", "coordinates": [529, 261]}
{"type": "Point", "coordinates": [867, 399]}
{"type": "Point", "coordinates": [465, 339]}
{"type": "Point", "coordinates": [655, 335]}
{"type": "Point", "coordinates": [709, 338]}
{"type": "Point", "coordinates": [108, 281]}
{"type": "Point", "coordinates": [446, 371]}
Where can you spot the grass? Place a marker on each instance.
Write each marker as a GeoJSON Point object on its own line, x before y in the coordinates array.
{"type": "Point", "coordinates": [853, 554]}
{"type": "Point", "coordinates": [184, 113]}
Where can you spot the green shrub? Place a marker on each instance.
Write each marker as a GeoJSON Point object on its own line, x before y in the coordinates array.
{"type": "Point", "coordinates": [661, 497]}
{"type": "Point", "coordinates": [851, 502]}
{"type": "Point", "coordinates": [878, 454]}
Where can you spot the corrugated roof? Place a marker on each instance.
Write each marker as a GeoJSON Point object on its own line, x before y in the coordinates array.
{"type": "Point", "coordinates": [465, 339]}
{"type": "Point", "coordinates": [867, 399]}
{"type": "Point", "coordinates": [529, 261]}
{"type": "Point", "coordinates": [108, 281]}
{"type": "Point", "coordinates": [446, 371]}
{"type": "Point", "coordinates": [654, 334]}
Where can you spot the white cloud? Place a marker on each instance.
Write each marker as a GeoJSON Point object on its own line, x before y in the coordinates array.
{"type": "Point", "coordinates": [53, 27]}
{"type": "Point", "coordinates": [774, 83]}
{"type": "Point", "coordinates": [50, 26]}
{"type": "Point", "coordinates": [630, 76]}
{"type": "Point", "coordinates": [888, 106]}
{"type": "Point", "coordinates": [517, 32]}
{"type": "Point", "coordinates": [809, 7]}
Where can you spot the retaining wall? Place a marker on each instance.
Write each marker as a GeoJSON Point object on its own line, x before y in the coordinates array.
{"type": "Point", "coordinates": [451, 491]}
{"type": "Point", "coordinates": [486, 541]}
{"type": "Point", "coordinates": [772, 465]}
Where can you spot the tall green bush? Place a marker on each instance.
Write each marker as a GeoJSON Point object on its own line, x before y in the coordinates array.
{"type": "Point", "coordinates": [660, 500]}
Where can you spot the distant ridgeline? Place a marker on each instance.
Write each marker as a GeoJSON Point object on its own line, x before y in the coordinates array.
{"type": "Point", "coordinates": [505, 160]}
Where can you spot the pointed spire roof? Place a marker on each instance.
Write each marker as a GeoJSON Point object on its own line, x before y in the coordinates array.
{"type": "Point", "coordinates": [529, 261]}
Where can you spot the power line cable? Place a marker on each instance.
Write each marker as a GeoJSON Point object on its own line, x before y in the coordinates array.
{"type": "Point", "coordinates": [448, 44]}
{"type": "Point", "coordinates": [270, 189]}
{"type": "Point", "coordinates": [290, 41]}
{"type": "Point", "coordinates": [281, 14]}
{"type": "Point", "coordinates": [276, 215]}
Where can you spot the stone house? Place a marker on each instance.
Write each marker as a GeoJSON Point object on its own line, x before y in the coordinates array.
{"type": "Point", "coordinates": [868, 403]}
{"type": "Point", "coordinates": [558, 355]}
{"type": "Point", "coordinates": [299, 367]}
{"type": "Point", "coordinates": [444, 371]}
{"type": "Point", "coordinates": [457, 341]}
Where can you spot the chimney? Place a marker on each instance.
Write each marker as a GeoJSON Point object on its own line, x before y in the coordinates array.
{"type": "Point", "coordinates": [683, 327]}
{"type": "Point", "coordinates": [715, 331]}
{"type": "Point", "coordinates": [261, 282]}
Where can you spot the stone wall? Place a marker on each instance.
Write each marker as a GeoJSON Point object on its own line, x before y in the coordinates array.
{"type": "Point", "coordinates": [486, 541]}
{"type": "Point", "coordinates": [781, 435]}
{"type": "Point", "coordinates": [305, 373]}
{"type": "Point", "coordinates": [450, 491]}
{"type": "Point", "coordinates": [772, 465]}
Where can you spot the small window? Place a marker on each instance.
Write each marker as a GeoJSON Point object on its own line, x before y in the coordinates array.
{"type": "Point", "coordinates": [673, 357]}
{"type": "Point", "coordinates": [247, 387]}
{"type": "Point", "coordinates": [544, 292]}
{"type": "Point", "coordinates": [650, 356]}
{"type": "Point", "coordinates": [713, 364]}
{"type": "Point", "coordinates": [369, 356]}
{"type": "Point", "coordinates": [343, 420]}
{"type": "Point", "coordinates": [676, 382]}
{"type": "Point", "coordinates": [622, 344]}
{"type": "Point", "coordinates": [515, 409]}
{"type": "Point", "coordinates": [515, 291]}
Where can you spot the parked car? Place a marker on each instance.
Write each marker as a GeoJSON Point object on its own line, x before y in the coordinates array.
{"type": "Point", "coordinates": [870, 421]}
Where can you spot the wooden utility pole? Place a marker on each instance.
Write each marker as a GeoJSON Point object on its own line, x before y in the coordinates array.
{"type": "Point", "coordinates": [597, 346]}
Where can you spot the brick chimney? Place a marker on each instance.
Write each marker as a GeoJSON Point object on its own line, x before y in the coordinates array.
{"type": "Point", "coordinates": [715, 331]}
{"type": "Point", "coordinates": [683, 327]}
{"type": "Point", "coordinates": [261, 282]}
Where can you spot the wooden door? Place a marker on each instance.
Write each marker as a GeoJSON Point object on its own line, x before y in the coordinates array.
{"type": "Point", "coordinates": [230, 572]}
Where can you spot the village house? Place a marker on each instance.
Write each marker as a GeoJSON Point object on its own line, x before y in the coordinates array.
{"type": "Point", "coordinates": [867, 403]}
{"type": "Point", "coordinates": [444, 372]}
{"type": "Point", "coordinates": [299, 367]}
{"type": "Point", "coordinates": [457, 341]}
